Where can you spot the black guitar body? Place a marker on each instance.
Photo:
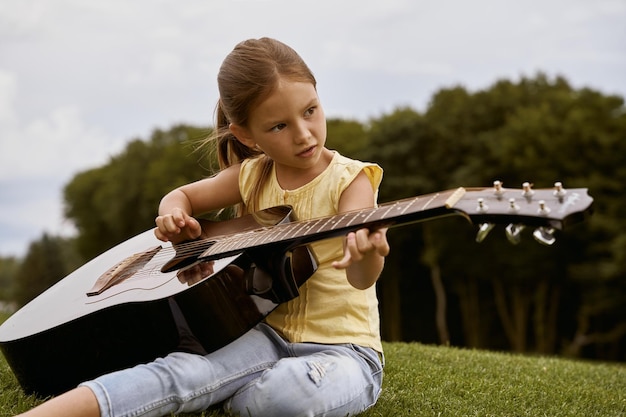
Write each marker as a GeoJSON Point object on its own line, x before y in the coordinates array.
{"type": "Point", "coordinates": [64, 336]}
{"type": "Point", "coordinates": [56, 360]}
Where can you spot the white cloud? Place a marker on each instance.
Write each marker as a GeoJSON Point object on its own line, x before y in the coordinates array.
{"type": "Point", "coordinates": [27, 210]}
{"type": "Point", "coordinates": [37, 158]}
{"type": "Point", "coordinates": [20, 18]}
{"type": "Point", "coordinates": [8, 88]}
{"type": "Point", "coordinates": [55, 145]}
{"type": "Point", "coordinates": [78, 78]}
{"type": "Point", "coordinates": [161, 67]}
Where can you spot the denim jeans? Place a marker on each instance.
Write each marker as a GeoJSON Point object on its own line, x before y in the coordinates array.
{"type": "Point", "coordinates": [259, 374]}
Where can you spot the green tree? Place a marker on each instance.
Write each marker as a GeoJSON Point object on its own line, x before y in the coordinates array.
{"type": "Point", "coordinates": [348, 137]}
{"type": "Point", "coordinates": [539, 130]}
{"type": "Point", "coordinates": [43, 266]}
{"type": "Point", "coordinates": [8, 270]}
{"type": "Point", "coordinates": [111, 203]}
{"type": "Point", "coordinates": [558, 133]}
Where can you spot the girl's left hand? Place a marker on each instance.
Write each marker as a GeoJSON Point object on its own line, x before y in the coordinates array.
{"type": "Point", "coordinates": [361, 244]}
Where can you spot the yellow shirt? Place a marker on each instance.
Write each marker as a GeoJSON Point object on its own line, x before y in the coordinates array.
{"type": "Point", "coordinates": [328, 309]}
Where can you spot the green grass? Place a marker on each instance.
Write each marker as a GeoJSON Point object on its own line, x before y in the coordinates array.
{"type": "Point", "coordinates": [441, 381]}
{"type": "Point", "coordinates": [444, 381]}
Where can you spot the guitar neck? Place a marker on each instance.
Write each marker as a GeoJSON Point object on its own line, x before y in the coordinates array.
{"type": "Point", "coordinates": [405, 211]}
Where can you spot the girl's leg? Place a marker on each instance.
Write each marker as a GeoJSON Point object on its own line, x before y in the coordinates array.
{"type": "Point", "coordinates": [184, 382]}
{"type": "Point", "coordinates": [180, 382]}
{"type": "Point", "coordinates": [79, 402]}
{"type": "Point", "coordinates": [321, 380]}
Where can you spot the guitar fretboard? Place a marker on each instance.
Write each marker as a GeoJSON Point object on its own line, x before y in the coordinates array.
{"type": "Point", "coordinates": [302, 232]}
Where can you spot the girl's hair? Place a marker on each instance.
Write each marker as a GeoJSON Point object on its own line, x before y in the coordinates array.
{"type": "Point", "coordinates": [248, 75]}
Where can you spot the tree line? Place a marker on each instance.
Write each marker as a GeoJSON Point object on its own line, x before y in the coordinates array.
{"type": "Point", "coordinates": [438, 285]}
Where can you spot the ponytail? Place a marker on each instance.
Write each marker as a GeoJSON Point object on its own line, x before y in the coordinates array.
{"type": "Point", "coordinates": [229, 150]}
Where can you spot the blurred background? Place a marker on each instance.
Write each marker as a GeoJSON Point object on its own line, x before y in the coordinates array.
{"type": "Point", "coordinates": [103, 103]}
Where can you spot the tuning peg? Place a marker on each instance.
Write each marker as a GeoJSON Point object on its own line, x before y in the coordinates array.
{"type": "Point", "coordinates": [483, 231]}
{"type": "Point", "coordinates": [527, 190]}
{"type": "Point", "coordinates": [559, 191]}
{"type": "Point", "coordinates": [497, 188]}
{"type": "Point", "coordinates": [543, 209]}
{"type": "Point", "coordinates": [513, 206]}
{"type": "Point", "coordinates": [544, 235]}
{"type": "Point", "coordinates": [514, 233]}
{"type": "Point", "coordinates": [481, 206]}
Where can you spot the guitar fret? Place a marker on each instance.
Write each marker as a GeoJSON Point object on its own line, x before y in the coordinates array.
{"type": "Point", "coordinates": [228, 244]}
{"type": "Point", "coordinates": [314, 225]}
{"type": "Point", "coordinates": [243, 240]}
{"type": "Point", "coordinates": [282, 233]}
{"type": "Point", "coordinates": [409, 205]}
{"type": "Point", "coordinates": [301, 228]}
{"type": "Point", "coordinates": [325, 224]}
{"type": "Point", "coordinates": [368, 216]}
{"type": "Point", "coordinates": [269, 235]}
{"type": "Point", "coordinates": [338, 221]}
{"type": "Point", "coordinates": [433, 198]}
{"type": "Point", "coordinates": [353, 218]}
{"type": "Point", "coordinates": [391, 208]}
{"type": "Point", "coordinates": [333, 223]}
{"type": "Point", "coordinates": [246, 239]}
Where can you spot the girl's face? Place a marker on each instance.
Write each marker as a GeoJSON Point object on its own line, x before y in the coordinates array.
{"type": "Point", "coordinates": [289, 126]}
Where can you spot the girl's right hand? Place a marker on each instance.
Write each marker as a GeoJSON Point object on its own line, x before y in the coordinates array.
{"type": "Point", "coordinates": [177, 226]}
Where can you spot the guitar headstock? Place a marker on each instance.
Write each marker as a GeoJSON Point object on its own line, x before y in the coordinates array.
{"type": "Point", "coordinates": [544, 209]}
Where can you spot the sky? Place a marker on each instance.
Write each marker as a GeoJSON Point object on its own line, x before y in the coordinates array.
{"type": "Point", "coordinates": [80, 78]}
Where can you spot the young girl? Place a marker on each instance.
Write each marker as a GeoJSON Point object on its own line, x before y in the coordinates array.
{"type": "Point", "coordinates": [319, 354]}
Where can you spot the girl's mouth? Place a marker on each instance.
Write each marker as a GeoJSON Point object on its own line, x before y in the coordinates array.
{"type": "Point", "coordinates": [307, 152]}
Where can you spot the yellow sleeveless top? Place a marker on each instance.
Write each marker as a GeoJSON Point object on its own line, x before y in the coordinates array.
{"type": "Point", "coordinates": [328, 309]}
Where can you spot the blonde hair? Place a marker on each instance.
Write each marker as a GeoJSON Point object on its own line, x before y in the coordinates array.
{"type": "Point", "coordinates": [248, 75]}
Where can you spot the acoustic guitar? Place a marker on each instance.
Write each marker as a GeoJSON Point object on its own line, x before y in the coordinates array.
{"type": "Point", "coordinates": [144, 298]}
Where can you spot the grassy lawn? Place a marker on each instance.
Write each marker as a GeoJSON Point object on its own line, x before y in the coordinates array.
{"type": "Point", "coordinates": [443, 381]}
{"type": "Point", "coordinates": [440, 381]}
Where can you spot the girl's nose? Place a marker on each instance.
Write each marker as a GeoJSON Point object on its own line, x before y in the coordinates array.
{"type": "Point", "coordinates": [301, 133]}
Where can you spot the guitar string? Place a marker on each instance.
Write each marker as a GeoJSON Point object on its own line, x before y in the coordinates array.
{"type": "Point", "coordinates": [283, 231]}
{"type": "Point", "coordinates": [137, 268]}
{"type": "Point", "coordinates": [279, 232]}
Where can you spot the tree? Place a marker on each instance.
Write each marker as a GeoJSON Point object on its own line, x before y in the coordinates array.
{"type": "Point", "coordinates": [43, 266]}
{"type": "Point", "coordinates": [539, 130]}
{"type": "Point", "coordinates": [111, 203]}
{"type": "Point", "coordinates": [348, 137]}
{"type": "Point", "coordinates": [8, 270]}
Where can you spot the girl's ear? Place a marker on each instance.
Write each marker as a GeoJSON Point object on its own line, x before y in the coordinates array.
{"type": "Point", "coordinates": [242, 134]}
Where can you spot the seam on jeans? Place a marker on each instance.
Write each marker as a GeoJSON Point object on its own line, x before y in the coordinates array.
{"type": "Point", "coordinates": [365, 388]}
{"type": "Point", "coordinates": [215, 387]}
{"type": "Point", "coordinates": [376, 369]}
{"type": "Point", "coordinates": [181, 400]}
{"type": "Point", "coordinates": [376, 366]}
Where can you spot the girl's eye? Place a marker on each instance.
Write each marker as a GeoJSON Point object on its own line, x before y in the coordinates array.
{"type": "Point", "coordinates": [278, 127]}
{"type": "Point", "coordinates": [309, 112]}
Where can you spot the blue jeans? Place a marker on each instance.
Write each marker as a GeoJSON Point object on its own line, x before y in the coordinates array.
{"type": "Point", "coordinates": [259, 374]}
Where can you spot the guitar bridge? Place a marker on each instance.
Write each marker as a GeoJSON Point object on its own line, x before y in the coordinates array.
{"type": "Point", "coordinates": [122, 271]}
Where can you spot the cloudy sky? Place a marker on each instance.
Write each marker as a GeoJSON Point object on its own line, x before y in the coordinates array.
{"type": "Point", "coordinates": [79, 78]}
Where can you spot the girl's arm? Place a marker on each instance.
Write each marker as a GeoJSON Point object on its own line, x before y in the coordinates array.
{"type": "Point", "coordinates": [175, 221]}
{"type": "Point", "coordinates": [364, 251]}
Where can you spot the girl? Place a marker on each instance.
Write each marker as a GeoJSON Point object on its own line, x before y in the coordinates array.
{"type": "Point", "coordinates": [319, 354]}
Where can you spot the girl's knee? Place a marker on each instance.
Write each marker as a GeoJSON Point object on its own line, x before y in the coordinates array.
{"type": "Point", "coordinates": [295, 386]}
